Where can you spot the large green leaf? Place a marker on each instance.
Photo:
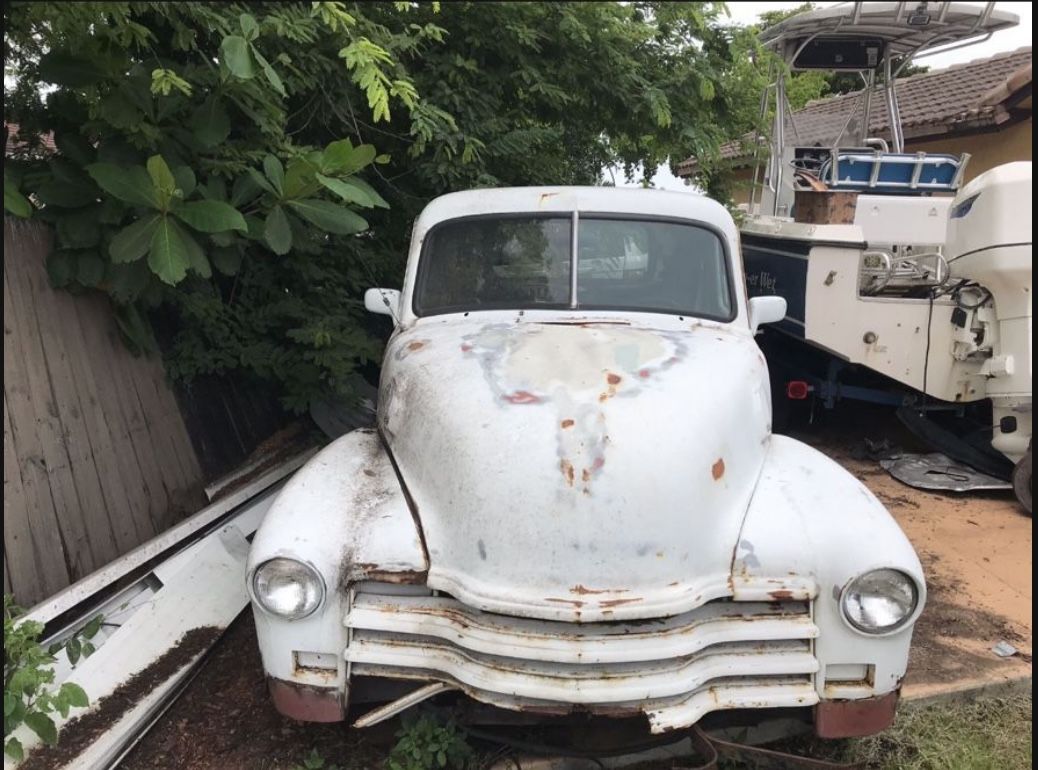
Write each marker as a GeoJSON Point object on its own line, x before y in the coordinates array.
{"type": "Point", "coordinates": [133, 242]}
{"type": "Point", "coordinates": [169, 258]}
{"type": "Point", "coordinates": [185, 180]}
{"type": "Point", "coordinates": [163, 179]}
{"type": "Point", "coordinates": [196, 257]}
{"type": "Point", "coordinates": [275, 173]}
{"type": "Point", "coordinates": [234, 50]}
{"type": "Point", "coordinates": [210, 122]}
{"type": "Point", "coordinates": [75, 694]}
{"type": "Point", "coordinates": [347, 190]}
{"type": "Point", "coordinates": [277, 232]}
{"type": "Point", "coordinates": [378, 200]}
{"type": "Point", "coordinates": [329, 216]}
{"type": "Point", "coordinates": [299, 178]}
{"type": "Point", "coordinates": [342, 159]}
{"type": "Point", "coordinates": [211, 216]}
{"type": "Point", "coordinates": [249, 27]}
{"type": "Point", "coordinates": [260, 181]}
{"type": "Point", "coordinates": [226, 260]}
{"type": "Point", "coordinates": [269, 73]}
{"type": "Point", "coordinates": [245, 188]}
{"type": "Point", "coordinates": [129, 184]}
{"type": "Point", "coordinates": [43, 726]}
{"type": "Point", "coordinates": [14, 201]}
{"type": "Point", "coordinates": [74, 146]}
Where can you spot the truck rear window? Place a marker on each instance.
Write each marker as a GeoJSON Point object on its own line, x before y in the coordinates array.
{"type": "Point", "coordinates": [518, 262]}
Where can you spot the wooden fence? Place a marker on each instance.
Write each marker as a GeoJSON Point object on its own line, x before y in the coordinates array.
{"type": "Point", "coordinates": [97, 458]}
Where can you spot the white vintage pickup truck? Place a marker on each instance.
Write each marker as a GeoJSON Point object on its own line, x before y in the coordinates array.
{"type": "Point", "coordinates": [573, 500]}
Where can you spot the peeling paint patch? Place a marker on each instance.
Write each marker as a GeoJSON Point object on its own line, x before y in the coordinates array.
{"type": "Point", "coordinates": [618, 602]}
{"type": "Point", "coordinates": [522, 397]}
{"type": "Point", "coordinates": [411, 347]}
{"type": "Point", "coordinates": [574, 602]}
{"type": "Point", "coordinates": [717, 469]}
{"type": "Point", "coordinates": [583, 590]}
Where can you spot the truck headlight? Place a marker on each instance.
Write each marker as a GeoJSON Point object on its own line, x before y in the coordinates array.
{"type": "Point", "coordinates": [879, 601]}
{"type": "Point", "coordinates": [287, 588]}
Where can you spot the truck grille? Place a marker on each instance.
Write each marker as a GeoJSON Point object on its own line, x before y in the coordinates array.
{"type": "Point", "coordinates": [723, 654]}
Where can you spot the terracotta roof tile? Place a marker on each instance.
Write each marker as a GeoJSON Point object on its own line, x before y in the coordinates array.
{"type": "Point", "coordinates": [931, 103]}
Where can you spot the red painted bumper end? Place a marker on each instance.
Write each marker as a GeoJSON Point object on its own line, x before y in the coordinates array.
{"type": "Point", "coordinates": [855, 718]}
{"type": "Point", "coordinates": [307, 703]}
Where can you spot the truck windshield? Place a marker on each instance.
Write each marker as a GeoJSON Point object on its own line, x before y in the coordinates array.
{"type": "Point", "coordinates": [519, 262]}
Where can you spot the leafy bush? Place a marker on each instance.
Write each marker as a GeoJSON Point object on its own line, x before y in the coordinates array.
{"type": "Point", "coordinates": [206, 108]}
{"type": "Point", "coordinates": [28, 670]}
{"type": "Point", "coordinates": [426, 743]}
{"type": "Point", "coordinates": [314, 761]}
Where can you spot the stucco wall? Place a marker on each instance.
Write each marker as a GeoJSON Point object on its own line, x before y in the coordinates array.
{"type": "Point", "coordinates": [987, 150]}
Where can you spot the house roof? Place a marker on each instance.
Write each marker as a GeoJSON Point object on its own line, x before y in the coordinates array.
{"type": "Point", "coordinates": [972, 95]}
{"type": "Point", "coordinates": [16, 145]}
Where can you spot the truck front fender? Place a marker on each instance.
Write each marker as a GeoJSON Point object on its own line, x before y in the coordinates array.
{"type": "Point", "coordinates": [346, 515]}
{"type": "Point", "coordinates": [811, 519]}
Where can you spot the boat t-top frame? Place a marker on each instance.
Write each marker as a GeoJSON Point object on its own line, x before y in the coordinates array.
{"type": "Point", "coordinates": [872, 39]}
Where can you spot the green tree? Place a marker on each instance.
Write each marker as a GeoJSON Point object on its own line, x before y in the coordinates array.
{"type": "Point", "coordinates": [250, 209]}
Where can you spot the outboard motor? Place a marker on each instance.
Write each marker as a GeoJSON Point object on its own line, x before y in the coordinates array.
{"type": "Point", "coordinates": [989, 254]}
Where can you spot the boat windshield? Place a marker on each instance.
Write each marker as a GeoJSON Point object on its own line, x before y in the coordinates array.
{"type": "Point", "coordinates": [526, 262]}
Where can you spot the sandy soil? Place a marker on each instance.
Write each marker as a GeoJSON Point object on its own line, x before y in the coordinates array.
{"type": "Point", "coordinates": [976, 550]}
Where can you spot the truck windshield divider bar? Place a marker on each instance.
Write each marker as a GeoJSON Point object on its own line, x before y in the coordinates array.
{"type": "Point", "coordinates": [574, 242]}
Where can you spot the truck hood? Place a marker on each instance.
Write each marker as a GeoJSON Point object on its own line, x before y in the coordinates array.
{"type": "Point", "coordinates": [577, 471]}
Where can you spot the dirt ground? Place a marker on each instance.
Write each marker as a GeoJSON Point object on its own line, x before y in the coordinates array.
{"type": "Point", "coordinates": [975, 548]}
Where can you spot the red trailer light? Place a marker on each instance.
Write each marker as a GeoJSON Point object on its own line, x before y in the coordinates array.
{"type": "Point", "coordinates": [797, 390]}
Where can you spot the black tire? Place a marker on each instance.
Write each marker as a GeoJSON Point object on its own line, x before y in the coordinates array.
{"type": "Point", "coordinates": [1022, 481]}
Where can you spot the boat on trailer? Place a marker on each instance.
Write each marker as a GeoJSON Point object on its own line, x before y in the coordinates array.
{"type": "Point", "coordinates": [903, 285]}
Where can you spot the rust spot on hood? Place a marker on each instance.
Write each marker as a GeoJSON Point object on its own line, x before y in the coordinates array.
{"type": "Point", "coordinates": [416, 345]}
{"type": "Point", "coordinates": [522, 397]}
{"type": "Point", "coordinates": [579, 589]}
{"type": "Point", "coordinates": [613, 380]}
{"type": "Point", "coordinates": [717, 469]}
{"type": "Point", "coordinates": [573, 602]}
{"type": "Point", "coordinates": [567, 424]}
{"type": "Point", "coordinates": [617, 602]}
{"type": "Point", "coordinates": [567, 471]}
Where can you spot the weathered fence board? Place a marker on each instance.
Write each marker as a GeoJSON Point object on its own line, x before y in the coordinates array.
{"type": "Point", "coordinates": [97, 458]}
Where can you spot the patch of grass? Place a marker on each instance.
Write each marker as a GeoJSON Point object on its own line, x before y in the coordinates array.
{"type": "Point", "coordinates": [984, 734]}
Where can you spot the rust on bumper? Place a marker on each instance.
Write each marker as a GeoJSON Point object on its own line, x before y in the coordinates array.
{"type": "Point", "coordinates": [855, 718]}
{"type": "Point", "coordinates": [306, 702]}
